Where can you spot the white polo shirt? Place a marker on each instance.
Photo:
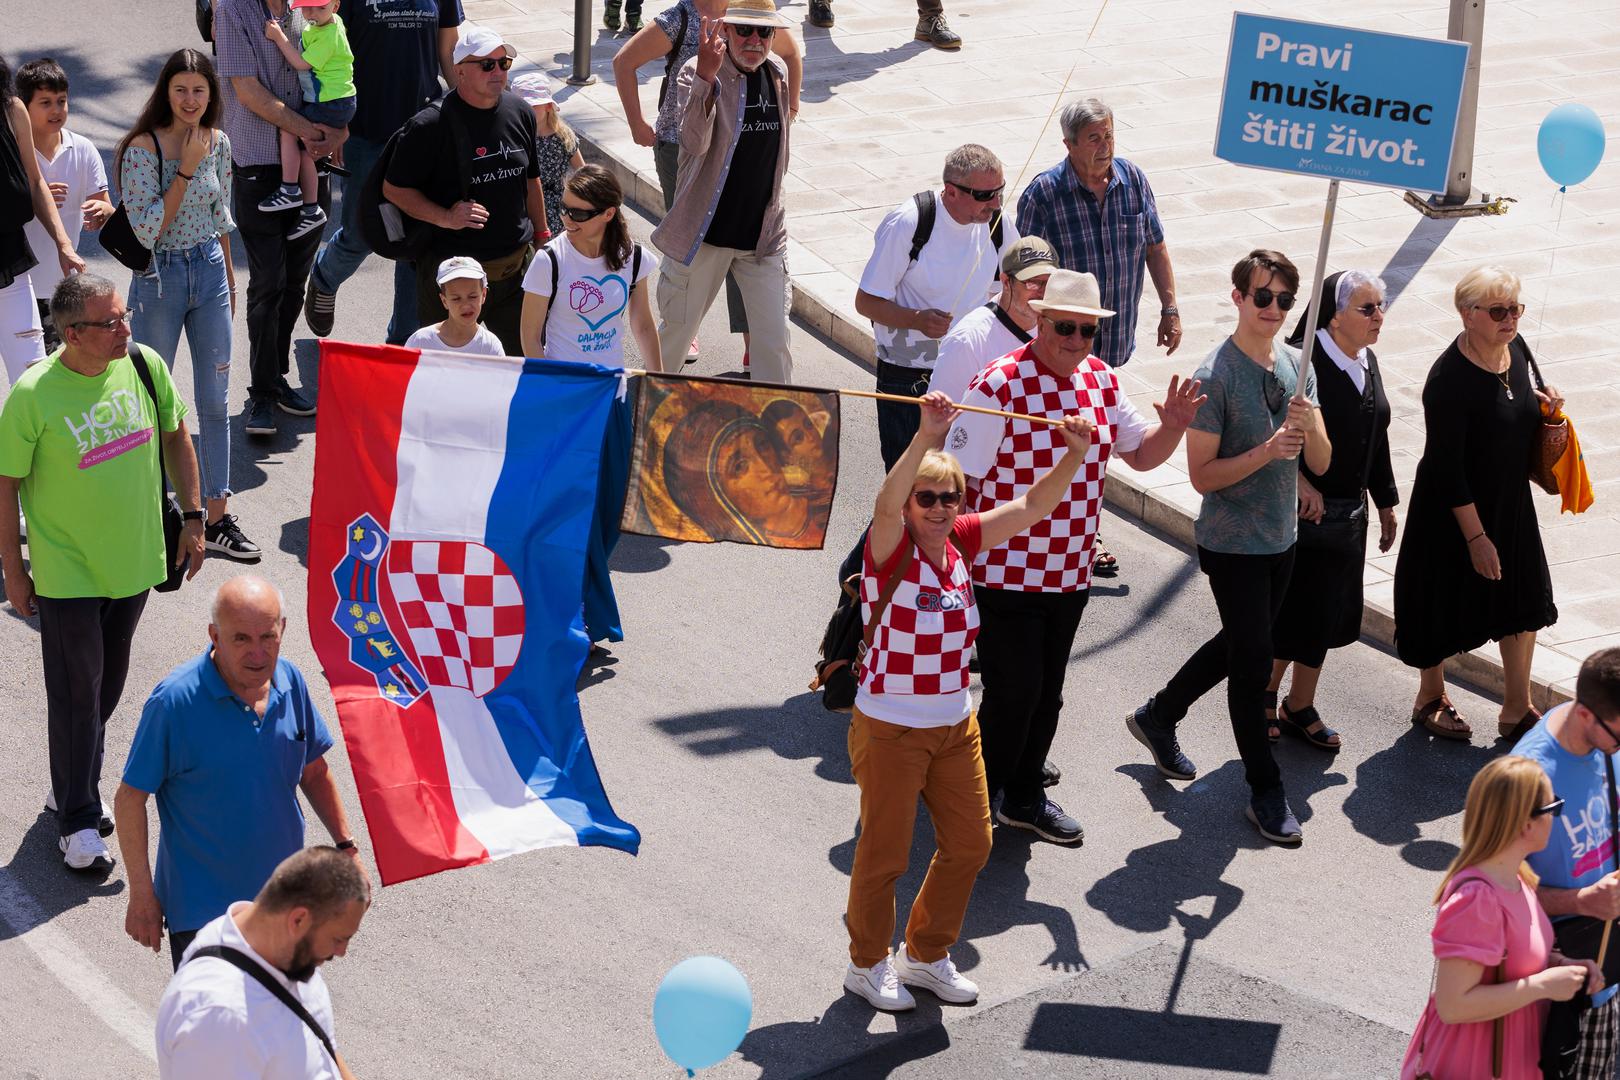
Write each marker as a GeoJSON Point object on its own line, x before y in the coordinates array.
{"type": "Point", "coordinates": [216, 1022]}
{"type": "Point", "coordinates": [79, 167]}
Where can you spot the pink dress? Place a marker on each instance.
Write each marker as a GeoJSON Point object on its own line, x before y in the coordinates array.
{"type": "Point", "coordinates": [1480, 921]}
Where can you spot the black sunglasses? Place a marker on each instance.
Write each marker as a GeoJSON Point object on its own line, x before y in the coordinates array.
{"type": "Point", "coordinates": [582, 213]}
{"type": "Point", "coordinates": [1555, 808]}
{"type": "Point", "coordinates": [1368, 309]}
{"type": "Point", "coordinates": [1276, 394]}
{"type": "Point", "coordinates": [490, 64]}
{"type": "Point", "coordinates": [927, 499]}
{"type": "Point", "coordinates": [979, 194]}
{"type": "Point", "coordinates": [1263, 298]}
{"type": "Point", "coordinates": [744, 30]}
{"type": "Point", "coordinates": [1500, 312]}
{"type": "Point", "coordinates": [1069, 327]}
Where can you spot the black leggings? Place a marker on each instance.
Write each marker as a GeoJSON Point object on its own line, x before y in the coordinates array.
{"type": "Point", "coordinates": [1249, 591]}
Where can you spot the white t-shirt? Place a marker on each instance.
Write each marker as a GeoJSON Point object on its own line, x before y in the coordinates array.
{"type": "Point", "coordinates": [483, 342]}
{"type": "Point", "coordinates": [984, 334]}
{"type": "Point", "coordinates": [955, 272]}
{"type": "Point", "coordinates": [79, 167]}
{"type": "Point", "coordinates": [216, 1022]}
{"type": "Point", "coordinates": [590, 321]}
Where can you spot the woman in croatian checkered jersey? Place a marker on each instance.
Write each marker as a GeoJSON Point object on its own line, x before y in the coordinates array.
{"type": "Point", "coordinates": [913, 730]}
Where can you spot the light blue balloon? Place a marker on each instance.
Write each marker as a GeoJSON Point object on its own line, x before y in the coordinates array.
{"type": "Point", "coordinates": [1570, 143]}
{"type": "Point", "coordinates": [701, 1012]}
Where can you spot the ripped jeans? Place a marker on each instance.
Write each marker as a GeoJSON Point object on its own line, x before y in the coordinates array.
{"type": "Point", "coordinates": [21, 341]}
{"type": "Point", "coordinates": [188, 289]}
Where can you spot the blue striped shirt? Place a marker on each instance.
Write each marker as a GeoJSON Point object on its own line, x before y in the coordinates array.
{"type": "Point", "coordinates": [1109, 240]}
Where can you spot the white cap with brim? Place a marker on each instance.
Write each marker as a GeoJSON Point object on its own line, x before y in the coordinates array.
{"type": "Point", "coordinates": [480, 41]}
{"type": "Point", "coordinates": [1075, 293]}
{"type": "Point", "coordinates": [534, 87]}
{"type": "Point", "coordinates": [460, 266]}
{"type": "Point", "coordinates": [754, 13]}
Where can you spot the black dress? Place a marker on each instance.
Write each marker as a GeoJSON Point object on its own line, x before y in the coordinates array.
{"type": "Point", "coordinates": [1477, 450]}
{"type": "Point", "coordinates": [16, 258]}
{"type": "Point", "coordinates": [1322, 610]}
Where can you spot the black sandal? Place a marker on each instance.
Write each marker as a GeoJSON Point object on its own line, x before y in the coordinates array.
{"type": "Point", "coordinates": [1273, 732]}
{"type": "Point", "coordinates": [1103, 562]}
{"type": "Point", "coordinates": [1307, 724]}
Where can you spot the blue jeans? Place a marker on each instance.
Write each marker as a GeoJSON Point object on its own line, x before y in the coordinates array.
{"type": "Point", "coordinates": [898, 422]}
{"type": "Point", "coordinates": [188, 289]}
{"type": "Point", "coordinates": [347, 249]}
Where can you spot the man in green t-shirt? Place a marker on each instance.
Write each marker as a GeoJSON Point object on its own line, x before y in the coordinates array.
{"type": "Point", "coordinates": [76, 442]}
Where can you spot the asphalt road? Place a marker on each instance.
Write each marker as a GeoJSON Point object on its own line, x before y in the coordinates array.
{"type": "Point", "coordinates": [1174, 943]}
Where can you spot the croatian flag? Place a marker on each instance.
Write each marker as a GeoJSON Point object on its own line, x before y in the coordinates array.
{"type": "Point", "coordinates": [453, 499]}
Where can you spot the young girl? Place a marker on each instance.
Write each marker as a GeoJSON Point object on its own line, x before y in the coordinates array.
{"type": "Point", "coordinates": [325, 65]}
{"type": "Point", "coordinates": [462, 288]}
{"type": "Point", "coordinates": [559, 148]}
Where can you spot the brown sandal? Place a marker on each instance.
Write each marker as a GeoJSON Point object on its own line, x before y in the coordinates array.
{"type": "Point", "coordinates": [1515, 732]}
{"type": "Point", "coordinates": [1426, 715]}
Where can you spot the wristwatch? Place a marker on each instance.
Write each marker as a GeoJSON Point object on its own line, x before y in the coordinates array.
{"type": "Point", "coordinates": [1171, 310]}
{"type": "Point", "coordinates": [345, 845]}
{"type": "Point", "coordinates": [191, 515]}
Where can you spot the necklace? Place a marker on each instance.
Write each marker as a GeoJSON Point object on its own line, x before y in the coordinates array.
{"type": "Point", "coordinates": [1503, 376]}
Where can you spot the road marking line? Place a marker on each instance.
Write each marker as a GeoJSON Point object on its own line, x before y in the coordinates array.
{"type": "Point", "coordinates": [73, 969]}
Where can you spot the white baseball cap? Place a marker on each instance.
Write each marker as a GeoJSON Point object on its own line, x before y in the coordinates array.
{"type": "Point", "coordinates": [533, 87]}
{"type": "Point", "coordinates": [461, 266]}
{"type": "Point", "coordinates": [480, 41]}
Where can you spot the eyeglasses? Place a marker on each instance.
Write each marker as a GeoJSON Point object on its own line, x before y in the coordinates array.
{"type": "Point", "coordinates": [1276, 394]}
{"type": "Point", "coordinates": [744, 30]}
{"type": "Point", "coordinates": [490, 64]}
{"type": "Point", "coordinates": [979, 194]}
{"type": "Point", "coordinates": [1555, 808]}
{"type": "Point", "coordinates": [927, 499]}
{"type": "Point", "coordinates": [1500, 312]}
{"type": "Point", "coordinates": [582, 213]}
{"type": "Point", "coordinates": [1366, 310]}
{"type": "Point", "coordinates": [1070, 327]}
{"type": "Point", "coordinates": [109, 325]}
{"type": "Point", "coordinates": [1263, 298]}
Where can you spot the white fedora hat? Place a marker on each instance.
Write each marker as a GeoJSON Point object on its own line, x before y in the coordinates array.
{"type": "Point", "coordinates": [754, 13]}
{"type": "Point", "coordinates": [1074, 293]}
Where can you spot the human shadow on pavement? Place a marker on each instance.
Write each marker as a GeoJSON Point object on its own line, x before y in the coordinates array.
{"type": "Point", "coordinates": [837, 1043]}
{"type": "Point", "coordinates": [637, 554]}
{"type": "Point", "coordinates": [1144, 615]}
{"type": "Point", "coordinates": [1416, 779]}
{"type": "Point", "coordinates": [295, 540]}
{"type": "Point", "coordinates": [35, 887]}
{"type": "Point", "coordinates": [797, 729]}
{"type": "Point", "coordinates": [829, 67]}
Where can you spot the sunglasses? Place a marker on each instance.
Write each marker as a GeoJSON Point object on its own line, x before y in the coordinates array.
{"type": "Point", "coordinates": [1069, 327]}
{"type": "Point", "coordinates": [745, 31]}
{"type": "Point", "coordinates": [927, 499]}
{"type": "Point", "coordinates": [979, 194]}
{"type": "Point", "coordinates": [489, 64]}
{"type": "Point", "coordinates": [1366, 310]}
{"type": "Point", "coordinates": [1276, 394]}
{"type": "Point", "coordinates": [1263, 298]}
{"type": "Point", "coordinates": [1555, 808]}
{"type": "Point", "coordinates": [582, 213]}
{"type": "Point", "coordinates": [1500, 312]}
{"type": "Point", "coordinates": [125, 320]}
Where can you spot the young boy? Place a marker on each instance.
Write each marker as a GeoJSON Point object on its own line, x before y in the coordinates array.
{"type": "Point", "coordinates": [326, 74]}
{"type": "Point", "coordinates": [462, 288]}
{"type": "Point", "coordinates": [72, 169]}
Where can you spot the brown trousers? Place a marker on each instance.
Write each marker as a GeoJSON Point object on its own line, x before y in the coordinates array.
{"type": "Point", "coordinates": [893, 765]}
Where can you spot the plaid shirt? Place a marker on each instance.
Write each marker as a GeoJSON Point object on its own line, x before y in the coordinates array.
{"type": "Point", "coordinates": [1109, 240]}
{"type": "Point", "coordinates": [243, 50]}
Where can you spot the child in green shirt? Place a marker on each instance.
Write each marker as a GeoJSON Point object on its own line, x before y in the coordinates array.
{"type": "Point", "coordinates": [326, 73]}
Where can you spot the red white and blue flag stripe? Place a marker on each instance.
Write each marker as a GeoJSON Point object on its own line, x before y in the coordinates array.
{"type": "Point", "coordinates": [453, 500]}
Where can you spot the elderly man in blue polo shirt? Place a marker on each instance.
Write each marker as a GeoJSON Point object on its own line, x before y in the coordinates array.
{"type": "Point", "coordinates": [225, 743]}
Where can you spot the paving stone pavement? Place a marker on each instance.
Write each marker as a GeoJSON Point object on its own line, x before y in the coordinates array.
{"type": "Point", "coordinates": [880, 110]}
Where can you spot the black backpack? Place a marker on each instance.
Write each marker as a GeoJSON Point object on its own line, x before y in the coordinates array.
{"type": "Point", "coordinates": [387, 229]}
{"type": "Point", "coordinates": [635, 271]}
{"type": "Point", "coordinates": [926, 208]}
{"type": "Point", "coordinates": [845, 641]}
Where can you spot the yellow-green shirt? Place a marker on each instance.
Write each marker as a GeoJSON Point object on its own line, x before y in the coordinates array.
{"type": "Point", "coordinates": [326, 51]}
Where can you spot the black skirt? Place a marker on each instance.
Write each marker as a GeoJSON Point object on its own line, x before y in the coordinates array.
{"type": "Point", "coordinates": [1322, 609]}
{"type": "Point", "coordinates": [16, 259]}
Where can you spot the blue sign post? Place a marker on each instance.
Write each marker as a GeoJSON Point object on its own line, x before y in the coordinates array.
{"type": "Point", "coordinates": [1342, 104]}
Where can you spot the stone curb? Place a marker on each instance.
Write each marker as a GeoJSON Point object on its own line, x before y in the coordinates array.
{"type": "Point", "coordinates": [1480, 668]}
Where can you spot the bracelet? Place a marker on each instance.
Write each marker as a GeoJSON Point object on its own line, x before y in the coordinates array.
{"type": "Point", "coordinates": [345, 845]}
{"type": "Point", "coordinates": [1171, 310]}
{"type": "Point", "coordinates": [182, 175]}
{"type": "Point", "coordinates": [1471, 539]}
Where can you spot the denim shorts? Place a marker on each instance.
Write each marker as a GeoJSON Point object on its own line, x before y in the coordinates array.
{"type": "Point", "coordinates": [333, 114]}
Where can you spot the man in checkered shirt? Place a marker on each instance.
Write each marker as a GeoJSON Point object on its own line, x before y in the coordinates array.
{"type": "Point", "coordinates": [1032, 590]}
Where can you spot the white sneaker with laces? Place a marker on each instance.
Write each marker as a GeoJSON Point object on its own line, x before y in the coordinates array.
{"type": "Point", "coordinates": [879, 985]}
{"type": "Point", "coordinates": [939, 978]}
{"type": "Point", "coordinates": [84, 850]}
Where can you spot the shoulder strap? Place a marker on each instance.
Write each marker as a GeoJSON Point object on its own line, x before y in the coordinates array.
{"type": "Point", "coordinates": [237, 958]}
{"type": "Point", "coordinates": [1005, 320]}
{"type": "Point", "coordinates": [460, 145]}
{"type": "Point", "coordinates": [995, 238]}
{"type": "Point", "coordinates": [925, 222]}
{"type": "Point", "coordinates": [1535, 369]}
{"type": "Point", "coordinates": [137, 357]}
{"type": "Point", "coordinates": [896, 576]}
{"type": "Point", "coordinates": [635, 267]}
{"type": "Point", "coordinates": [552, 256]}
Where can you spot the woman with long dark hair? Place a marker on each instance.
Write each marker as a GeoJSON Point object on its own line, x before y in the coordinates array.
{"type": "Point", "coordinates": [174, 175]}
{"type": "Point", "coordinates": [22, 341]}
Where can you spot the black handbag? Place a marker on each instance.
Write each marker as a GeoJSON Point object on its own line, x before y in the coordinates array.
{"type": "Point", "coordinates": [174, 522]}
{"type": "Point", "coordinates": [205, 19]}
{"type": "Point", "coordinates": [118, 236]}
{"type": "Point", "coordinates": [844, 645]}
{"type": "Point", "coordinates": [1343, 528]}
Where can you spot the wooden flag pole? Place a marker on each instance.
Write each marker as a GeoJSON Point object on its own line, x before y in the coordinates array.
{"type": "Point", "coordinates": [876, 396]}
{"type": "Point", "coordinates": [1309, 344]}
{"type": "Point", "coordinates": [1603, 947]}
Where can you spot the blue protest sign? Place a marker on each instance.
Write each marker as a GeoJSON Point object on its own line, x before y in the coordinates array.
{"type": "Point", "coordinates": [1343, 104]}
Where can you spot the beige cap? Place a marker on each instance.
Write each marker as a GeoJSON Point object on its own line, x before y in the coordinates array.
{"type": "Point", "coordinates": [460, 266]}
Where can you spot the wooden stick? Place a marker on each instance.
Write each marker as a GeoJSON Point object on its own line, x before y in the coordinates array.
{"type": "Point", "coordinates": [965, 408]}
{"type": "Point", "coordinates": [1603, 947]}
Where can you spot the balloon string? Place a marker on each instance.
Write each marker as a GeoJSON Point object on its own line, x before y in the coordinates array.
{"type": "Point", "coordinates": [1552, 261]}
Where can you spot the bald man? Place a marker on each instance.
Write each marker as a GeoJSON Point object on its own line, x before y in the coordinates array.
{"type": "Point", "coordinates": [224, 742]}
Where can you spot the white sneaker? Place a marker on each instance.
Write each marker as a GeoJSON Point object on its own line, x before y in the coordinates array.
{"type": "Point", "coordinates": [939, 978]}
{"type": "Point", "coordinates": [879, 986]}
{"type": "Point", "coordinates": [84, 850]}
{"type": "Point", "coordinates": [104, 826]}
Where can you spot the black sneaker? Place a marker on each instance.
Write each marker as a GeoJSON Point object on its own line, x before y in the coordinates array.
{"type": "Point", "coordinates": [294, 401]}
{"type": "Point", "coordinates": [224, 537]}
{"type": "Point", "coordinates": [261, 417]}
{"type": "Point", "coordinates": [821, 13]}
{"type": "Point", "coordinates": [932, 29]}
{"type": "Point", "coordinates": [1045, 819]}
{"type": "Point", "coordinates": [1161, 743]}
{"type": "Point", "coordinates": [310, 219]}
{"type": "Point", "coordinates": [1274, 818]}
{"type": "Point", "coordinates": [1051, 775]}
{"type": "Point", "coordinates": [320, 309]}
